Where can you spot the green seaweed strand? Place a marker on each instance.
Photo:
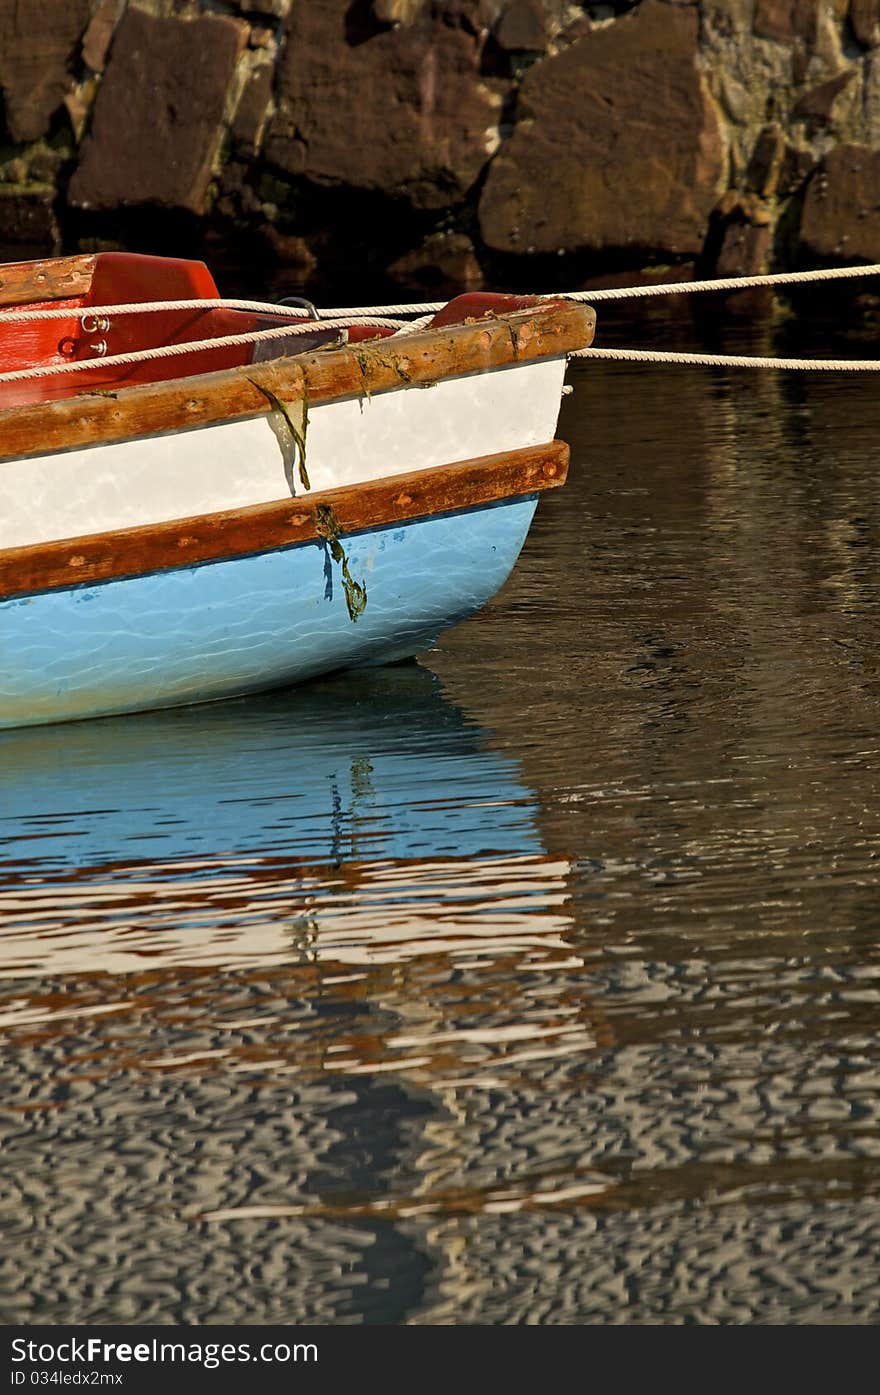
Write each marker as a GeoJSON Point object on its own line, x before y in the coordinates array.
{"type": "Point", "coordinates": [327, 527]}
{"type": "Point", "coordinates": [299, 437]}
{"type": "Point", "coordinates": [363, 365]}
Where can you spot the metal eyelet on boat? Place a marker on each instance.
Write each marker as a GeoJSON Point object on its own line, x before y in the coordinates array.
{"type": "Point", "coordinates": [94, 324]}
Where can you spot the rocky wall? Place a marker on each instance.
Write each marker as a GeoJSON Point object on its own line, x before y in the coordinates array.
{"type": "Point", "coordinates": [443, 144]}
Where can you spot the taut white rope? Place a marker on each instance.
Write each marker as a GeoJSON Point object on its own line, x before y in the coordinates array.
{"type": "Point", "coordinates": [191, 347]}
{"type": "Point", "coordinates": [263, 307]}
{"type": "Point", "coordinates": [822, 365]}
{"type": "Point", "coordinates": [380, 316]}
{"type": "Point", "coordinates": [150, 307]}
{"type": "Point", "coordinates": [727, 283]}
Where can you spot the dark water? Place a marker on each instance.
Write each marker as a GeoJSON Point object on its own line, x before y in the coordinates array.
{"type": "Point", "coordinates": [537, 982]}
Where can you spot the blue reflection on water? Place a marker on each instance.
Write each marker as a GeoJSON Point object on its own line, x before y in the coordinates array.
{"type": "Point", "coordinates": [372, 765]}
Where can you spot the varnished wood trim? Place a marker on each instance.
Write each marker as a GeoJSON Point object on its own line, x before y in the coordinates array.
{"type": "Point", "coordinates": [59, 278]}
{"type": "Point", "coordinates": [184, 542]}
{"type": "Point", "coordinates": [325, 375]}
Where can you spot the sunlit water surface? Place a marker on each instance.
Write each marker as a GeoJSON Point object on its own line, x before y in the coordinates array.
{"type": "Point", "coordinates": [538, 982]}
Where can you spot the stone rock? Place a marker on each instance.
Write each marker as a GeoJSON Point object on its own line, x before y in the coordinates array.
{"type": "Point", "coordinates": [743, 208]}
{"type": "Point", "coordinates": [870, 95]}
{"type": "Point", "coordinates": [15, 171]}
{"type": "Point", "coordinates": [397, 11]}
{"type": "Point", "coordinates": [617, 144]}
{"type": "Point", "coordinates": [736, 99]}
{"type": "Point", "coordinates": [864, 17]}
{"type": "Point", "coordinates": [522, 27]}
{"type": "Point", "coordinates": [233, 177]}
{"type": "Point", "coordinates": [159, 113]}
{"type": "Point", "coordinates": [236, 199]}
{"type": "Point", "coordinates": [96, 39]}
{"type": "Point", "coordinates": [841, 215]}
{"type": "Point", "coordinates": [404, 110]}
{"type": "Point", "coordinates": [28, 226]}
{"type": "Point", "coordinates": [279, 9]}
{"type": "Point", "coordinates": [763, 170]}
{"type": "Point", "coordinates": [797, 166]}
{"type": "Point", "coordinates": [290, 251]}
{"type": "Point", "coordinates": [45, 164]}
{"type": "Point", "coordinates": [740, 235]}
{"type": "Point", "coordinates": [79, 102]}
{"type": "Point", "coordinates": [262, 36]}
{"type": "Point", "coordinates": [729, 16]}
{"type": "Point", "coordinates": [788, 21]}
{"type": "Point", "coordinates": [817, 106]}
{"type": "Point", "coordinates": [550, 16]}
{"type": "Point", "coordinates": [38, 44]}
{"type": "Point", "coordinates": [445, 263]}
{"type": "Point", "coordinates": [833, 50]}
{"type": "Point", "coordinates": [795, 23]}
{"type": "Point", "coordinates": [251, 111]}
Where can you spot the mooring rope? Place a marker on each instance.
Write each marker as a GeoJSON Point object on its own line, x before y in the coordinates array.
{"type": "Point", "coordinates": [431, 307]}
{"type": "Point", "coordinates": [727, 283]}
{"type": "Point", "coordinates": [151, 307]}
{"type": "Point", "coordinates": [191, 347]}
{"type": "Point", "coordinates": [822, 365]}
{"type": "Point", "coordinates": [391, 316]}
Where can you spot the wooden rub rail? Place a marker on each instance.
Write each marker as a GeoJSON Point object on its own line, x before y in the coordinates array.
{"type": "Point", "coordinates": [98, 417]}
{"type": "Point", "coordinates": [59, 278]}
{"type": "Point", "coordinates": [186, 542]}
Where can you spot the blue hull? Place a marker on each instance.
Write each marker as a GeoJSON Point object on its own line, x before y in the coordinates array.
{"type": "Point", "coordinates": [228, 628]}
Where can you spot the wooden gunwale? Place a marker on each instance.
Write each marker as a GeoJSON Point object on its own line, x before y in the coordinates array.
{"type": "Point", "coordinates": [98, 417]}
{"type": "Point", "coordinates": [59, 278]}
{"type": "Point", "coordinates": [186, 542]}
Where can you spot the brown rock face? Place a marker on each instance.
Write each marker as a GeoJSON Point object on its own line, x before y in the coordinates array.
{"type": "Point", "coordinates": [401, 110]}
{"type": "Point", "coordinates": [159, 113]}
{"type": "Point", "coordinates": [742, 235]}
{"type": "Point", "coordinates": [250, 114]}
{"type": "Point", "coordinates": [397, 11]}
{"type": "Point", "coordinates": [523, 27]}
{"type": "Point", "coordinates": [841, 218]}
{"type": "Point", "coordinates": [864, 16]}
{"type": "Point", "coordinates": [762, 173]}
{"type": "Point", "coordinates": [744, 250]}
{"type": "Point", "coordinates": [37, 45]}
{"type": "Point", "coordinates": [96, 39]}
{"type": "Point", "coordinates": [817, 105]}
{"type": "Point", "coordinates": [27, 224]}
{"type": "Point", "coordinates": [617, 144]}
{"type": "Point", "coordinates": [446, 262]}
{"type": "Point", "coordinates": [794, 23]}
{"type": "Point", "coordinates": [788, 21]}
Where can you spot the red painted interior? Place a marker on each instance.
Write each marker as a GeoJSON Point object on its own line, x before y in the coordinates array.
{"type": "Point", "coordinates": [125, 277]}
{"type": "Point", "coordinates": [477, 304]}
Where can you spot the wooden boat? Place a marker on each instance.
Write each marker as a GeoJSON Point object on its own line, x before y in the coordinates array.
{"type": "Point", "coordinates": [212, 498]}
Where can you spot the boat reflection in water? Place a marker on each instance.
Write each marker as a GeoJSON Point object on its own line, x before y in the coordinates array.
{"type": "Point", "coordinates": [266, 967]}
{"type": "Point", "coordinates": [362, 820]}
